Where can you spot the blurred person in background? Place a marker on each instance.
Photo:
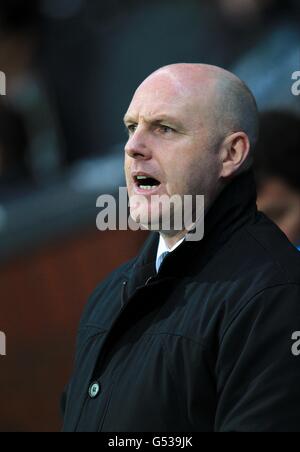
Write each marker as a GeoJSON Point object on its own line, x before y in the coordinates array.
{"type": "Point", "coordinates": [14, 166]}
{"type": "Point", "coordinates": [26, 90]}
{"type": "Point", "coordinates": [277, 168]}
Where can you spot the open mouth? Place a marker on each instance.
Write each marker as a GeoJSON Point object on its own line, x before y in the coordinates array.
{"type": "Point", "coordinates": [146, 183]}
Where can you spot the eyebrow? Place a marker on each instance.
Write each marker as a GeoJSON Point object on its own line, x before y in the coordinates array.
{"type": "Point", "coordinates": [155, 120]}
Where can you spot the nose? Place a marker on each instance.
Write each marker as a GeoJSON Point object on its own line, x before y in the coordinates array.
{"type": "Point", "coordinates": [137, 146]}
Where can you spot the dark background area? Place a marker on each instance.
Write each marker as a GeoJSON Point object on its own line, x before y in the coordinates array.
{"type": "Point", "coordinates": [71, 68]}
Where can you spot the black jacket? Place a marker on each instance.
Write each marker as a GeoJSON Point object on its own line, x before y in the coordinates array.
{"type": "Point", "coordinates": [205, 345]}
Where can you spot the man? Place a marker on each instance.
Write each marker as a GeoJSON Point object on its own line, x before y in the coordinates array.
{"type": "Point", "coordinates": [200, 339]}
{"type": "Point", "coordinates": [277, 169]}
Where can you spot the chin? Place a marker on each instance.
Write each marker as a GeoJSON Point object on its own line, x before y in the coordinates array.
{"type": "Point", "coordinates": [146, 217]}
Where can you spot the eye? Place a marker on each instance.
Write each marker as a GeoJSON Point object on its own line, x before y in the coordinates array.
{"type": "Point", "coordinates": [131, 128]}
{"type": "Point", "coordinates": [166, 129]}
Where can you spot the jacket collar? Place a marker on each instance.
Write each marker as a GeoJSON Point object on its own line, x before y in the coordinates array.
{"type": "Point", "coordinates": [235, 206]}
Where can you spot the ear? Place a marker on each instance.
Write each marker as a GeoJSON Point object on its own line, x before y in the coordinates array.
{"type": "Point", "coordinates": [234, 152]}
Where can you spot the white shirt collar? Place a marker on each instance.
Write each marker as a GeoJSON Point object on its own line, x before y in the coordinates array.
{"type": "Point", "coordinates": [162, 249]}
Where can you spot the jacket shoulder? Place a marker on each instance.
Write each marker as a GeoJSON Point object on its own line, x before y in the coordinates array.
{"type": "Point", "coordinates": [260, 264]}
{"type": "Point", "coordinates": [274, 251]}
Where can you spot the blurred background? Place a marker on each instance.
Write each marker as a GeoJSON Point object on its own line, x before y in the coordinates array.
{"type": "Point", "coordinates": [71, 68]}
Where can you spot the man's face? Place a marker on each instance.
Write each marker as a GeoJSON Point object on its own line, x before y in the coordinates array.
{"type": "Point", "coordinates": [170, 144]}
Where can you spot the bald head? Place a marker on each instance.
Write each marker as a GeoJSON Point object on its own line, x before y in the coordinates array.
{"type": "Point", "coordinates": [224, 99]}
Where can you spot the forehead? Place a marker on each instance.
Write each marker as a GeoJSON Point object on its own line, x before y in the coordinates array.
{"type": "Point", "coordinates": [163, 94]}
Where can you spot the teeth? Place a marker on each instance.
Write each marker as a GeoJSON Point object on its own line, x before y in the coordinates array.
{"type": "Point", "coordinates": [146, 187]}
